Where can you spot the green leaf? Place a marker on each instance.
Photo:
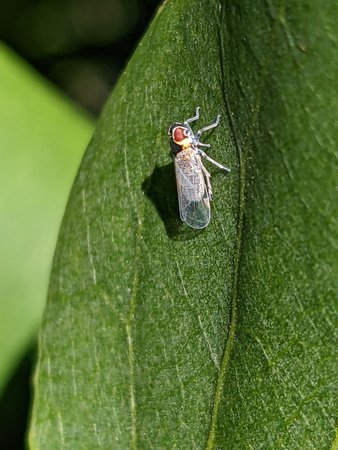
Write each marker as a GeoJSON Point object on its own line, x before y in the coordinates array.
{"type": "Point", "coordinates": [41, 142]}
{"type": "Point", "coordinates": [159, 336]}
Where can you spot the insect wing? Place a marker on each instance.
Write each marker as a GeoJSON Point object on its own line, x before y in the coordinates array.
{"type": "Point", "coordinates": [193, 198]}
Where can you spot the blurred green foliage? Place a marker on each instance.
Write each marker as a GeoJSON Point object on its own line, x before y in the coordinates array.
{"type": "Point", "coordinates": [42, 139]}
{"type": "Point", "coordinates": [81, 45]}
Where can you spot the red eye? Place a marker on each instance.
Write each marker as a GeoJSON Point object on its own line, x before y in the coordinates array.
{"type": "Point", "coordinates": [179, 134]}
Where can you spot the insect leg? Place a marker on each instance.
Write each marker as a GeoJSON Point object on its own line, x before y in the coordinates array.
{"type": "Point", "coordinates": [207, 180]}
{"type": "Point", "coordinates": [208, 127]}
{"type": "Point", "coordinates": [196, 116]}
{"type": "Point", "coordinates": [215, 163]}
{"type": "Point", "coordinates": [200, 144]}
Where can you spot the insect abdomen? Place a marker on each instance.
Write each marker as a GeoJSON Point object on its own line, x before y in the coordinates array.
{"type": "Point", "coordinates": [192, 182]}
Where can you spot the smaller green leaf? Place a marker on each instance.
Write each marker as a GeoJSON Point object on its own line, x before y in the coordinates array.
{"type": "Point", "coordinates": [42, 138]}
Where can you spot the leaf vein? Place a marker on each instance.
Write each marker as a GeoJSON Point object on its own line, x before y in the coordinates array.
{"type": "Point", "coordinates": [129, 323]}
{"type": "Point", "coordinates": [242, 157]}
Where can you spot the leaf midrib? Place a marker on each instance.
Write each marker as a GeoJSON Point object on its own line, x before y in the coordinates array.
{"type": "Point", "coordinates": [242, 158]}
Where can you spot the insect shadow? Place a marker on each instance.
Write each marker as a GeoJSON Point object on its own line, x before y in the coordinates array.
{"type": "Point", "coordinates": [160, 188]}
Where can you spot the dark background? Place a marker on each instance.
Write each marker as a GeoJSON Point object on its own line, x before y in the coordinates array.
{"type": "Point", "coordinates": [81, 46]}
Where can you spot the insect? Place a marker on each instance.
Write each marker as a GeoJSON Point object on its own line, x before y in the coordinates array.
{"type": "Point", "coordinates": [193, 180]}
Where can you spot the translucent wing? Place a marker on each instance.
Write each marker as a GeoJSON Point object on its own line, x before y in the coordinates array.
{"type": "Point", "coordinates": [193, 198]}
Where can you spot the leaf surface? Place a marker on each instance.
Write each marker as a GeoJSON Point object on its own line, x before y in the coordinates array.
{"type": "Point", "coordinates": [159, 336]}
